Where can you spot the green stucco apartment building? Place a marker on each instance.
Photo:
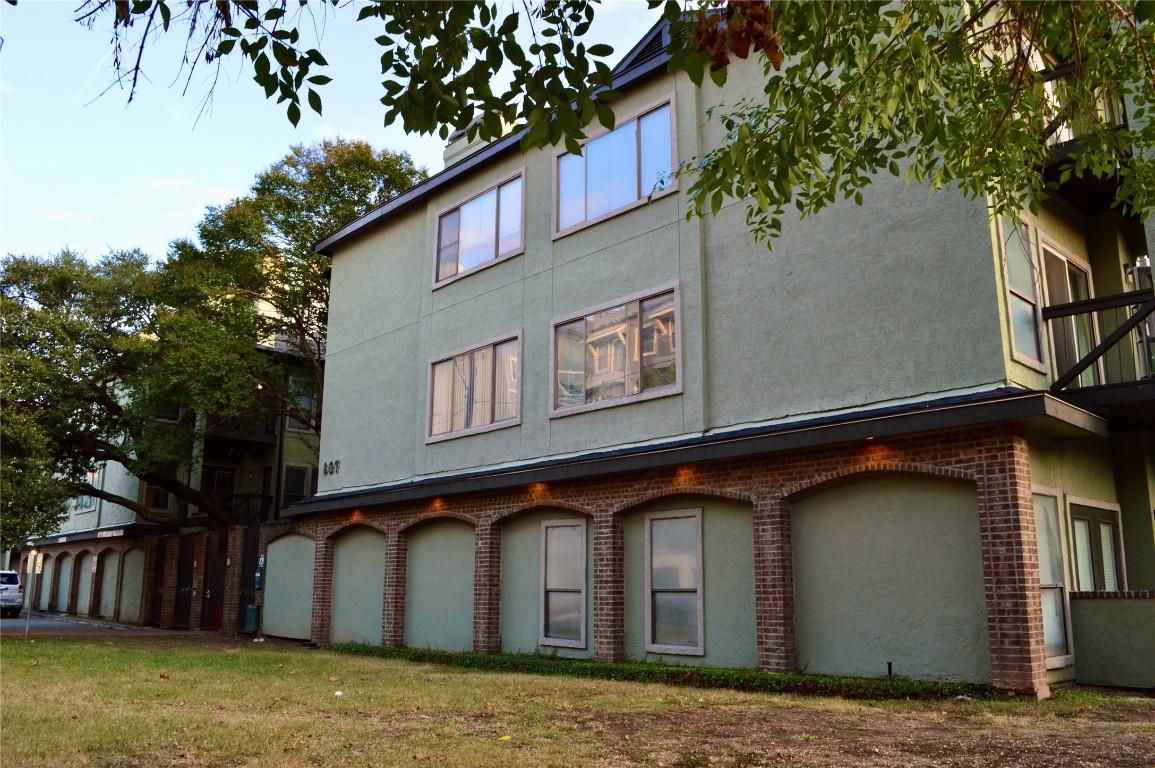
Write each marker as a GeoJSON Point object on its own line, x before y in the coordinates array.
{"type": "Point", "coordinates": [561, 418]}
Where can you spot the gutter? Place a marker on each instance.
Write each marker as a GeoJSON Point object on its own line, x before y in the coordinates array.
{"type": "Point", "coordinates": [1006, 404]}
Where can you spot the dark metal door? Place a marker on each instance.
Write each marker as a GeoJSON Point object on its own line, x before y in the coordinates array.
{"type": "Point", "coordinates": [216, 555]}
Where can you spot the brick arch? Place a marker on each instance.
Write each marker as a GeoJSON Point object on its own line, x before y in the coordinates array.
{"type": "Point", "coordinates": [309, 535]}
{"type": "Point", "coordinates": [648, 498]}
{"type": "Point", "coordinates": [535, 506]}
{"type": "Point", "coordinates": [342, 529]}
{"type": "Point", "coordinates": [845, 474]}
{"type": "Point", "coordinates": [431, 518]}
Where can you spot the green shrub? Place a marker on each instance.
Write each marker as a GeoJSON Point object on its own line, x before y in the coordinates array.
{"type": "Point", "coordinates": [672, 674]}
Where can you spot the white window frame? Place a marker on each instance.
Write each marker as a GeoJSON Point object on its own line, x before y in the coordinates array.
{"type": "Point", "coordinates": [1039, 365]}
{"type": "Point", "coordinates": [513, 422]}
{"type": "Point", "coordinates": [544, 639]}
{"type": "Point", "coordinates": [1102, 506]}
{"type": "Point", "coordinates": [679, 650]}
{"type": "Point", "coordinates": [556, 411]}
{"type": "Point", "coordinates": [1047, 244]}
{"type": "Point", "coordinates": [498, 257]}
{"type": "Point", "coordinates": [644, 197]}
{"type": "Point", "coordinates": [1059, 661]}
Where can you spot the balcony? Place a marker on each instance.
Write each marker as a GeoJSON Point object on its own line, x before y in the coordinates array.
{"type": "Point", "coordinates": [1090, 194]}
{"type": "Point", "coordinates": [1105, 354]}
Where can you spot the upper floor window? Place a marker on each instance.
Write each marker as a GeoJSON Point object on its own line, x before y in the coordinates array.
{"type": "Point", "coordinates": [1098, 548]}
{"type": "Point", "coordinates": [625, 351]}
{"type": "Point", "coordinates": [615, 170]}
{"type": "Point", "coordinates": [157, 498]}
{"type": "Point", "coordinates": [482, 230]}
{"type": "Point", "coordinates": [1022, 290]}
{"type": "Point", "coordinates": [476, 390]}
{"type": "Point", "coordinates": [87, 503]}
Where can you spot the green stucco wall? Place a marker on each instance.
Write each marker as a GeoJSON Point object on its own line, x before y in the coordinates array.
{"type": "Point", "coordinates": [730, 638]}
{"type": "Point", "coordinates": [1078, 467]}
{"type": "Point", "coordinates": [64, 565]}
{"type": "Point", "coordinates": [1134, 458]}
{"type": "Point", "coordinates": [131, 586]}
{"type": "Point", "coordinates": [889, 569]}
{"type": "Point", "coordinates": [47, 568]}
{"type": "Point", "coordinates": [439, 586]}
{"type": "Point", "coordinates": [521, 584]}
{"type": "Point", "coordinates": [288, 607]}
{"type": "Point", "coordinates": [84, 584]}
{"type": "Point", "coordinates": [1114, 642]}
{"type": "Point", "coordinates": [358, 586]}
{"type": "Point", "coordinates": [111, 565]}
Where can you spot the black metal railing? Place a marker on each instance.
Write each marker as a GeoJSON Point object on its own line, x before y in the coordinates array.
{"type": "Point", "coordinates": [249, 508]}
{"type": "Point", "coordinates": [1103, 341]}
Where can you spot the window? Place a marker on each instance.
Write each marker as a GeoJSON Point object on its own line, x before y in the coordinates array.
{"type": "Point", "coordinates": [1021, 291]}
{"type": "Point", "coordinates": [615, 170]}
{"type": "Point", "coordinates": [87, 503]}
{"type": "Point", "coordinates": [1051, 582]}
{"type": "Point", "coordinates": [157, 498]}
{"type": "Point", "coordinates": [485, 229]}
{"type": "Point", "coordinates": [1073, 337]}
{"type": "Point", "coordinates": [674, 582]}
{"type": "Point", "coordinates": [1095, 534]}
{"type": "Point", "coordinates": [563, 583]}
{"type": "Point", "coordinates": [476, 390]}
{"type": "Point", "coordinates": [305, 404]}
{"type": "Point", "coordinates": [623, 352]}
{"type": "Point", "coordinates": [297, 486]}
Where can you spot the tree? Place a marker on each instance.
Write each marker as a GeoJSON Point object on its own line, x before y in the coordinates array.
{"type": "Point", "coordinates": [98, 357]}
{"type": "Point", "coordinates": [960, 94]}
{"type": "Point", "coordinates": [33, 503]}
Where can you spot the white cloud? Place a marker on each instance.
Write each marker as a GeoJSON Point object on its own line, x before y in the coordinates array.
{"type": "Point", "coordinates": [58, 214]}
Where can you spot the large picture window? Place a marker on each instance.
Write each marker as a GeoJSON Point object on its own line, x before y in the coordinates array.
{"type": "Point", "coordinates": [674, 582]}
{"type": "Point", "coordinates": [563, 583]}
{"type": "Point", "coordinates": [615, 170]}
{"type": "Point", "coordinates": [485, 229]}
{"type": "Point", "coordinates": [617, 353]}
{"type": "Point", "coordinates": [475, 390]}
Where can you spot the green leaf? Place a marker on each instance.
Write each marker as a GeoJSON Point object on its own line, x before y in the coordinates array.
{"type": "Point", "coordinates": [600, 50]}
{"type": "Point", "coordinates": [320, 79]}
{"type": "Point", "coordinates": [293, 113]}
{"type": "Point", "coordinates": [314, 101]}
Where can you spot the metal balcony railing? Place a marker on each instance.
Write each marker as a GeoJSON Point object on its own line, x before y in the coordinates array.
{"type": "Point", "coordinates": [1125, 323]}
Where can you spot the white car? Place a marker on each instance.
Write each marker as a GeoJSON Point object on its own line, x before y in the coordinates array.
{"type": "Point", "coordinates": [11, 594]}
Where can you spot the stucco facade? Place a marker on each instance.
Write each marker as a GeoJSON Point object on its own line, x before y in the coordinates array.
{"type": "Point", "coordinates": [851, 461]}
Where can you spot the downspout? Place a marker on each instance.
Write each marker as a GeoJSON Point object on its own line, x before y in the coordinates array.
{"type": "Point", "coordinates": [705, 369]}
{"type": "Point", "coordinates": [278, 470]}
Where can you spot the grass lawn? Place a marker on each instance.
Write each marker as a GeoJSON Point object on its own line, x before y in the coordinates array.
{"type": "Point", "coordinates": [209, 701]}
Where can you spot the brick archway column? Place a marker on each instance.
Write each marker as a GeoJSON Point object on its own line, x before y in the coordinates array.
{"type": "Point", "coordinates": [323, 592]}
{"type": "Point", "coordinates": [148, 583]}
{"type": "Point", "coordinates": [94, 590]}
{"type": "Point", "coordinates": [609, 588]}
{"type": "Point", "coordinates": [1011, 570]}
{"type": "Point", "coordinates": [487, 588]}
{"type": "Point", "coordinates": [121, 552]}
{"type": "Point", "coordinates": [393, 611]}
{"type": "Point", "coordinates": [774, 586]}
{"type": "Point", "coordinates": [231, 609]}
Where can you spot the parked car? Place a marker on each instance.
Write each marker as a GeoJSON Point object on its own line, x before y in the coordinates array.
{"type": "Point", "coordinates": [11, 594]}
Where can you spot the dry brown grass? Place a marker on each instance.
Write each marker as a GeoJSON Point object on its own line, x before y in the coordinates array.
{"type": "Point", "coordinates": [202, 700]}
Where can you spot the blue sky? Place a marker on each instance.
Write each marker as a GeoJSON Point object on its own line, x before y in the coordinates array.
{"type": "Point", "coordinates": [92, 173]}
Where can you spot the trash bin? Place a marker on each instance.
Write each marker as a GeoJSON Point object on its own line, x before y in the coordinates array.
{"type": "Point", "coordinates": [252, 617]}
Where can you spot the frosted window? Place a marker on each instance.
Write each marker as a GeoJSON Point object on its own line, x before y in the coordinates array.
{"type": "Point", "coordinates": [563, 582]}
{"type": "Point", "coordinates": [1054, 625]}
{"type": "Point", "coordinates": [1047, 534]}
{"type": "Point", "coordinates": [675, 580]}
{"type": "Point", "coordinates": [1084, 565]}
{"type": "Point", "coordinates": [1107, 544]}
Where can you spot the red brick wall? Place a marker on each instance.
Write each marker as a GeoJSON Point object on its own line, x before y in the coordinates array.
{"type": "Point", "coordinates": [995, 459]}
